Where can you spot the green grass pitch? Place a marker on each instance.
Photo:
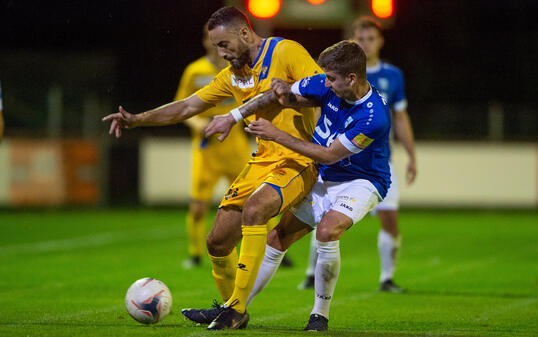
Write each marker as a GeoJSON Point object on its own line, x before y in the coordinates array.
{"type": "Point", "coordinates": [468, 273]}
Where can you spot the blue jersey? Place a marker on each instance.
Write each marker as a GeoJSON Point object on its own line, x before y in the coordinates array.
{"type": "Point", "coordinates": [388, 79]}
{"type": "Point", "coordinates": [362, 127]}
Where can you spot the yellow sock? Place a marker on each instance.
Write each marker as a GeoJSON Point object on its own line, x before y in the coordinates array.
{"type": "Point", "coordinates": [272, 223]}
{"type": "Point", "coordinates": [224, 273]}
{"type": "Point", "coordinates": [196, 235]}
{"type": "Point", "coordinates": [250, 258]}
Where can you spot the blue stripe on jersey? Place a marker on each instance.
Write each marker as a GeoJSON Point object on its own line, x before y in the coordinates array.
{"type": "Point", "coordinates": [259, 54]}
{"type": "Point", "coordinates": [268, 57]}
{"type": "Point", "coordinates": [278, 189]}
{"type": "Point", "coordinates": [203, 143]}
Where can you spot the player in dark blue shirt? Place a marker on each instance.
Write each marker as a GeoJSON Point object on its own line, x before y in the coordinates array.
{"type": "Point", "coordinates": [361, 126]}
{"type": "Point", "coordinates": [388, 79]}
{"type": "Point", "coordinates": [350, 143]}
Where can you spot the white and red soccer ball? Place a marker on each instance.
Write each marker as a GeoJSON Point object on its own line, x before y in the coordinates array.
{"type": "Point", "coordinates": [148, 300]}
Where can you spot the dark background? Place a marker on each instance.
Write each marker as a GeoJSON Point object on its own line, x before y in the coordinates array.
{"type": "Point", "coordinates": [457, 57]}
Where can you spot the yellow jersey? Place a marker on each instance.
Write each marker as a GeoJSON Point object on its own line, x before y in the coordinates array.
{"type": "Point", "coordinates": [197, 75]}
{"type": "Point", "coordinates": [280, 58]}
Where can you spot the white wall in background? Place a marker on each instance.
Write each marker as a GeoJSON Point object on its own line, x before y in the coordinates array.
{"type": "Point", "coordinates": [449, 174]}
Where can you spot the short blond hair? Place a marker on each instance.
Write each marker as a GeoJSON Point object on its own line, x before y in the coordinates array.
{"type": "Point", "coordinates": [344, 57]}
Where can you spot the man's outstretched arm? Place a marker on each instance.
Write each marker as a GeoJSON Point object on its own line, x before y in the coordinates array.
{"type": "Point", "coordinates": [279, 95]}
{"type": "Point", "coordinates": [167, 114]}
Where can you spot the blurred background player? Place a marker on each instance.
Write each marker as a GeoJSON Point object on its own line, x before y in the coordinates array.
{"type": "Point", "coordinates": [211, 159]}
{"type": "Point", "coordinates": [388, 79]}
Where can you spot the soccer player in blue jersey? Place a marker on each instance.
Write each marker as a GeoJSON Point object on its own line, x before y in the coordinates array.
{"type": "Point", "coordinates": [350, 143]}
{"type": "Point", "coordinates": [388, 79]}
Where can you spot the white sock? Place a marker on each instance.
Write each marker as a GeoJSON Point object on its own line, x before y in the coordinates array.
{"type": "Point", "coordinates": [272, 259]}
{"type": "Point", "coordinates": [313, 256]}
{"type": "Point", "coordinates": [388, 249]}
{"type": "Point", "coordinates": [327, 271]}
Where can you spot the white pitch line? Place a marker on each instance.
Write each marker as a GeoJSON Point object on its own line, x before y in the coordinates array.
{"type": "Point", "coordinates": [93, 240]}
{"type": "Point", "coordinates": [501, 309]}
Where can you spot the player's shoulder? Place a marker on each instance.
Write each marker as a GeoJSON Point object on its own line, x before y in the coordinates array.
{"type": "Point", "coordinates": [200, 65]}
{"type": "Point", "coordinates": [286, 45]}
{"type": "Point", "coordinates": [312, 83]}
{"type": "Point", "coordinates": [314, 79]}
{"type": "Point", "coordinates": [390, 69]}
{"type": "Point", "coordinates": [282, 42]}
{"type": "Point", "coordinates": [373, 104]}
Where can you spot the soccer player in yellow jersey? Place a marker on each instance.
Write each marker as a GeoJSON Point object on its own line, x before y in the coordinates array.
{"type": "Point", "coordinates": [211, 159]}
{"type": "Point", "coordinates": [275, 177]}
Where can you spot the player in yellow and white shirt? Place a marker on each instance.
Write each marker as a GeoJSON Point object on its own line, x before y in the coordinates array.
{"type": "Point", "coordinates": [275, 177]}
{"type": "Point", "coordinates": [211, 159]}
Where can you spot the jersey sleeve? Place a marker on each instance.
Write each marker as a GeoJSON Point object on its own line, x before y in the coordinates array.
{"type": "Point", "coordinates": [360, 134]}
{"type": "Point", "coordinates": [296, 60]}
{"type": "Point", "coordinates": [400, 101]}
{"type": "Point", "coordinates": [218, 90]}
{"type": "Point", "coordinates": [310, 87]}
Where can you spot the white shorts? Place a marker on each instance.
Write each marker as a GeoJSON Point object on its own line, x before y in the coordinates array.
{"type": "Point", "coordinates": [391, 201]}
{"type": "Point", "coordinates": [352, 198]}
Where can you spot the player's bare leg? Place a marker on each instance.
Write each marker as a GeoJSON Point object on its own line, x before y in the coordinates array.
{"type": "Point", "coordinates": [389, 221]}
{"type": "Point", "coordinates": [289, 230]}
{"type": "Point", "coordinates": [388, 244]}
{"type": "Point", "coordinates": [196, 232]}
{"type": "Point", "coordinates": [308, 282]}
{"type": "Point", "coordinates": [286, 261]}
{"type": "Point", "coordinates": [221, 242]}
{"type": "Point", "coordinates": [262, 205]}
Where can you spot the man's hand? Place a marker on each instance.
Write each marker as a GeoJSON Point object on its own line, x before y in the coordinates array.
{"type": "Point", "coordinates": [282, 90]}
{"type": "Point", "coordinates": [411, 173]}
{"type": "Point", "coordinates": [263, 129]}
{"type": "Point", "coordinates": [220, 124]}
{"type": "Point", "coordinates": [120, 120]}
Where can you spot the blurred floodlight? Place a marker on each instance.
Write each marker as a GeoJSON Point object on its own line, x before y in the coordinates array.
{"type": "Point", "coordinates": [382, 8]}
{"type": "Point", "coordinates": [263, 9]}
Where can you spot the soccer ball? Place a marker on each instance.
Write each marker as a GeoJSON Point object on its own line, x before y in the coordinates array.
{"type": "Point", "coordinates": [148, 300]}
